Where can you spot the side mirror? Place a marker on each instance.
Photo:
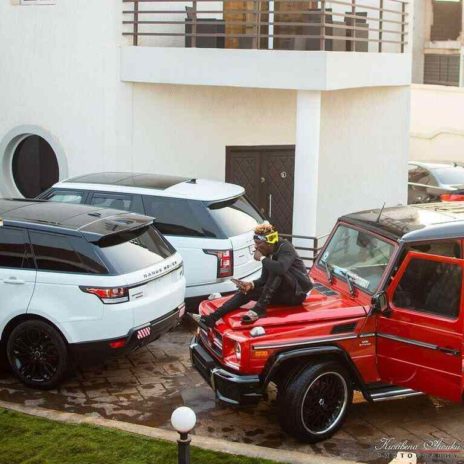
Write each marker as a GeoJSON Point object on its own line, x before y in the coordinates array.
{"type": "Point", "coordinates": [380, 304]}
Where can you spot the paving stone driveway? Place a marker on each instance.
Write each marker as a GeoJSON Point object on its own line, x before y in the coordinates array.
{"type": "Point", "coordinates": [146, 386]}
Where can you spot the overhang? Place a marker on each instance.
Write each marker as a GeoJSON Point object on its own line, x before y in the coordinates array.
{"type": "Point", "coordinates": [269, 69]}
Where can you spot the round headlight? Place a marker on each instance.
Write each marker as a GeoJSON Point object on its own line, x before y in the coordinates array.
{"type": "Point", "coordinates": [238, 351]}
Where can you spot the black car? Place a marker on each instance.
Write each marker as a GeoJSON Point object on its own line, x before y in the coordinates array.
{"type": "Point", "coordinates": [430, 182]}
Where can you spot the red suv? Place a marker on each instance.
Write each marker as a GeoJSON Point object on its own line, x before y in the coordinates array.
{"type": "Point", "coordinates": [385, 317]}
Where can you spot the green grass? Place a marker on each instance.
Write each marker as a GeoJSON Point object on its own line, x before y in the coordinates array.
{"type": "Point", "coordinates": [31, 440]}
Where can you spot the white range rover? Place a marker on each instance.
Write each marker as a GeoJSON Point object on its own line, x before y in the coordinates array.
{"type": "Point", "coordinates": [209, 222]}
{"type": "Point", "coordinates": [80, 283]}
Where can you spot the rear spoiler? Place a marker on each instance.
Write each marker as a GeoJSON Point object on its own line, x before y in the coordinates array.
{"type": "Point", "coordinates": [112, 226]}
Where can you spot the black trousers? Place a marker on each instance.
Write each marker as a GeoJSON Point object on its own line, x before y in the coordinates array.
{"type": "Point", "coordinates": [277, 291]}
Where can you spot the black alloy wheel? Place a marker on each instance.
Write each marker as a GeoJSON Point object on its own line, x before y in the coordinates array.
{"type": "Point", "coordinates": [315, 403]}
{"type": "Point", "coordinates": [37, 354]}
{"type": "Point", "coordinates": [324, 401]}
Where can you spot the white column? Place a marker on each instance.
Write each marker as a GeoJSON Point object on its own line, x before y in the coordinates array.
{"type": "Point", "coordinates": [308, 124]}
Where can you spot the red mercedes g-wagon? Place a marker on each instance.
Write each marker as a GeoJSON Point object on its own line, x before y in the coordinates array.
{"type": "Point", "coordinates": [385, 317]}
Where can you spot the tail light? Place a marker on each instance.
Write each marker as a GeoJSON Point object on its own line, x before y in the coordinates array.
{"type": "Point", "coordinates": [116, 344]}
{"type": "Point", "coordinates": [225, 262]}
{"type": "Point", "coordinates": [111, 295]}
{"type": "Point", "coordinates": [452, 197]}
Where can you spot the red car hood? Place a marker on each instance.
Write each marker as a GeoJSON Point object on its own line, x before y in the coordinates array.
{"type": "Point", "coordinates": [316, 308]}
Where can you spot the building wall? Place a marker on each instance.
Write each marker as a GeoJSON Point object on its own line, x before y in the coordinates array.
{"type": "Point", "coordinates": [437, 123]}
{"type": "Point", "coordinates": [184, 129]}
{"type": "Point", "coordinates": [363, 151]}
{"type": "Point", "coordinates": [60, 73]}
{"type": "Point", "coordinates": [63, 81]}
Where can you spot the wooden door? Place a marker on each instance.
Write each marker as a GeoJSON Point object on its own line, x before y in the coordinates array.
{"type": "Point", "coordinates": [267, 174]}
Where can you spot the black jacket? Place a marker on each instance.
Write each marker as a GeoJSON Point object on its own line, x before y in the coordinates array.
{"type": "Point", "coordinates": [286, 263]}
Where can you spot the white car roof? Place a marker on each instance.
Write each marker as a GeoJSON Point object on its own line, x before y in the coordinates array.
{"type": "Point", "coordinates": [154, 184]}
{"type": "Point", "coordinates": [433, 164]}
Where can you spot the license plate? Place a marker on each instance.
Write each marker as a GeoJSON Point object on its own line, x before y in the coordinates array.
{"type": "Point", "coordinates": [143, 333]}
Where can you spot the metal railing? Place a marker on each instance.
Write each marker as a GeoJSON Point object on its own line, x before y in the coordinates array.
{"type": "Point", "coordinates": [308, 247]}
{"type": "Point", "coordinates": [330, 25]}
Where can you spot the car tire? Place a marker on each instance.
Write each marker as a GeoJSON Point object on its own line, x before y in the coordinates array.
{"type": "Point", "coordinates": [37, 354]}
{"type": "Point", "coordinates": [286, 378]}
{"type": "Point", "coordinates": [315, 403]}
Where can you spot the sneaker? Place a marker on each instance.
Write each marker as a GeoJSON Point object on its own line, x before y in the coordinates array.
{"type": "Point", "coordinates": [250, 317]}
{"type": "Point", "coordinates": [204, 322]}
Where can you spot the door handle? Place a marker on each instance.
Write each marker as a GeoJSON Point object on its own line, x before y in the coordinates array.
{"type": "Point", "coordinates": [449, 351]}
{"type": "Point", "coordinates": [270, 205]}
{"type": "Point", "coordinates": [14, 281]}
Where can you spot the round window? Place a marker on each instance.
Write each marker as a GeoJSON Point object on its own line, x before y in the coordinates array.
{"type": "Point", "coordinates": [34, 165]}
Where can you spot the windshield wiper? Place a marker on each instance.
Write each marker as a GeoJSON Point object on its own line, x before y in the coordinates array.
{"type": "Point", "coordinates": [328, 271]}
{"type": "Point", "coordinates": [349, 280]}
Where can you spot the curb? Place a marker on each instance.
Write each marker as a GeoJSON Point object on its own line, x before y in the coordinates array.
{"type": "Point", "coordinates": [207, 443]}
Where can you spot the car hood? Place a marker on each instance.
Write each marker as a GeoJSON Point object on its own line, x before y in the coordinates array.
{"type": "Point", "coordinates": [321, 304]}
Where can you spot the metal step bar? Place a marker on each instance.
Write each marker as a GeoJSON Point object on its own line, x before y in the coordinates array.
{"type": "Point", "coordinates": [392, 393]}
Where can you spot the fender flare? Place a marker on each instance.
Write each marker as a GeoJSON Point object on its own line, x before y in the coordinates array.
{"type": "Point", "coordinates": [278, 359]}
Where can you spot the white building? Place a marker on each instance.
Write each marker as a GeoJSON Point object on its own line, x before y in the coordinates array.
{"type": "Point", "coordinates": [438, 49]}
{"type": "Point", "coordinates": [314, 124]}
{"type": "Point", "coordinates": [437, 99]}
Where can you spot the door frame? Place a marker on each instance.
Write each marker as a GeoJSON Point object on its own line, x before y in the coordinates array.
{"type": "Point", "coordinates": [398, 337]}
{"type": "Point", "coordinates": [231, 150]}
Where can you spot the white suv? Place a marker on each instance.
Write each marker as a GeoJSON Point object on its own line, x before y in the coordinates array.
{"type": "Point", "coordinates": [210, 223]}
{"type": "Point", "coordinates": [81, 283]}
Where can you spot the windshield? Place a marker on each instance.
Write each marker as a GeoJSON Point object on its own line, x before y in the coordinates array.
{"type": "Point", "coordinates": [236, 216]}
{"type": "Point", "coordinates": [449, 175]}
{"type": "Point", "coordinates": [357, 255]}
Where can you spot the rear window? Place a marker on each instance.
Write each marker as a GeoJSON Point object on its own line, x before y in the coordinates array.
{"type": "Point", "coordinates": [134, 250]}
{"type": "Point", "coordinates": [236, 216]}
{"type": "Point", "coordinates": [180, 217]}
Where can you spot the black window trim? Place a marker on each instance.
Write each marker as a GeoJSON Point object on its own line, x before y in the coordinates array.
{"type": "Point", "coordinates": [78, 235]}
{"type": "Point", "coordinates": [27, 244]}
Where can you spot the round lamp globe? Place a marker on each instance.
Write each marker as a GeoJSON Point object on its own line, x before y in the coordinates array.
{"type": "Point", "coordinates": [183, 419]}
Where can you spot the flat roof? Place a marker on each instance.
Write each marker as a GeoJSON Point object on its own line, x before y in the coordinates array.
{"type": "Point", "coordinates": [94, 223]}
{"type": "Point", "coordinates": [432, 221]}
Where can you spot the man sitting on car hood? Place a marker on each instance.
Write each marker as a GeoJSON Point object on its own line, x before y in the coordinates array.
{"type": "Point", "coordinates": [284, 279]}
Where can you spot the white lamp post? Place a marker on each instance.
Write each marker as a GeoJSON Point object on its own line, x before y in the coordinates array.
{"type": "Point", "coordinates": [183, 420]}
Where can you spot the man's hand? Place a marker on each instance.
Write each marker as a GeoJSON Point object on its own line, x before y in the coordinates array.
{"type": "Point", "coordinates": [246, 287]}
{"type": "Point", "coordinates": [258, 255]}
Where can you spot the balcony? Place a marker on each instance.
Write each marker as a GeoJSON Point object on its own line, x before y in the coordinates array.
{"type": "Point", "coordinates": [291, 44]}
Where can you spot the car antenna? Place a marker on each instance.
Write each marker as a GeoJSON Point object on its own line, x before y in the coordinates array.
{"type": "Point", "coordinates": [380, 213]}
